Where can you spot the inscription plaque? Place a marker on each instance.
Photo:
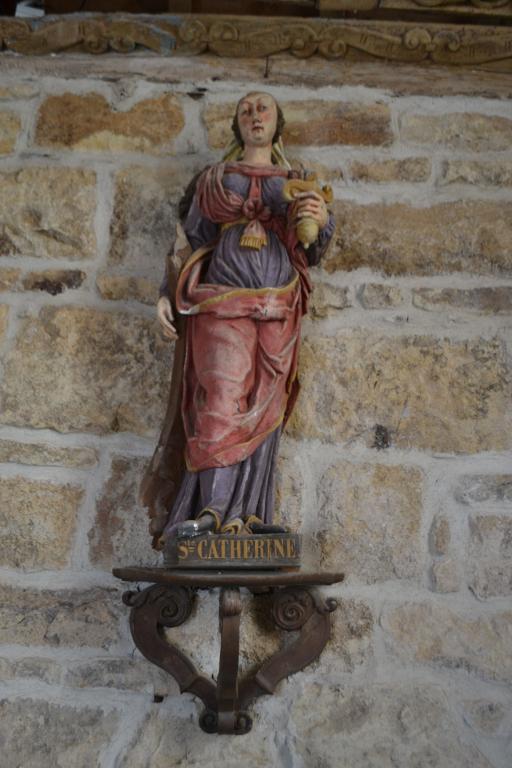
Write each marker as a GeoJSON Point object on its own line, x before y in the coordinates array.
{"type": "Point", "coordinates": [280, 550]}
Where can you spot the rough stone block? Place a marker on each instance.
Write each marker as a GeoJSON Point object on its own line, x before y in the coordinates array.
{"type": "Point", "coordinates": [473, 490]}
{"type": "Point", "coordinates": [488, 579]}
{"type": "Point", "coordinates": [312, 123]}
{"type": "Point", "coordinates": [379, 296]}
{"type": "Point", "coordinates": [9, 277]}
{"type": "Point", "coordinates": [128, 288]}
{"type": "Point", "coordinates": [189, 637]}
{"type": "Point", "coordinates": [53, 281]}
{"type": "Point", "coordinates": [40, 734]}
{"type": "Point", "coordinates": [259, 637]}
{"type": "Point", "coordinates": [317, 123]}
{"type": "Point", "coordinates": [352, 643]}
{"type": "Point", "coordinates": [89, 123]}
{"type": "Point", "coordinates": [327, 300]}
{"type": "Point", "coordinates": [40, 454]}
{"type": "Point", "coordinates": [290, 490]}
{"type": "Point", "coordinates": [478, 173]}
{"type": "Point", "coordinates": [4, 316]}
{"type": "Point", "coordinates": [426, 393]}
{"type": "Point", "coordinates": [382, 171]}
{"type": "Point", "coordinates": [20, 90]}
{"type": "Point", "coordinates": [440, 536]}
{"type": "Point", "coordinates": [48, 212]}
{"type": "Point", "coordinates": [301, 160]}
{"type": "Point", "coordinates": [489, 301]}
{"type": "Point", "coordinates": [122, 674]}
{"type": "Point", "coordinates": [472, 236]}
{"type": "Point", "coordinates": [489, 562]}
{"type": "Point", "coordinates": [86, 370]}
{"type": "Point", "coordinates": [63, 617]}
{"type": "Point", "coordinates": [369, 519]}
{"type": "Point", "coordinates": [434, 635]}
{"type": "Point", "coordinates": [143, 225]}
{"type": "Point", "coordinates": [37, 522]}
{"type": "Point", "coordinates": [120, 533]}
{"type": "Point", "coordinates": [484, 716]}
{"type": "Point", "coordinates": [471, 131]}
{"type": "Point", "coordinates": [31, 667]}
{"type": "Point", "coordinates": [445, 576]}
{"type": "Point", "coordinates": [10, 126]}
{"type": "Point", "coordinates": [173, 727]}
{"type": "Point", "coordinates": [378, 726]}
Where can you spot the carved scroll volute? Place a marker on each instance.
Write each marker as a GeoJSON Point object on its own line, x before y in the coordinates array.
{"type": "Point", "coordinates": [294, 609]}
{"type": "Point", "coordinates": [154, 609]}
{"type": "Point", "coordinates": [192, 37]}
{"type": "Point", "coordinates": [168, 606]}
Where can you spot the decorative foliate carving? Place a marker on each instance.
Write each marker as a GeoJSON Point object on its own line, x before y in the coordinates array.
{"type": "Point", "coordinates": [99, 35]}
{"type": "Point", "coordinates": [334, 40]}
{"type": "Point", "coordinates": [431, 7]}
{"type": "Point", "coordinates": [240, 37]}
{"type": "Point", "coordinates": [484, 4]}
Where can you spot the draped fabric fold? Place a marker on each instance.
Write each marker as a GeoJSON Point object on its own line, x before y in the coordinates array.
{"type": "Point", "coordinates": [239, 367]}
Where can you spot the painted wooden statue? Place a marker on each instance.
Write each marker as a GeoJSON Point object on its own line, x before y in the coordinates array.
{"type": "Point", "coordinates": [234, 293]}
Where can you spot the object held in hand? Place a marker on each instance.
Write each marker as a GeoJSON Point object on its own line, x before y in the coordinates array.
{"type": "Point", "coordinates": [307, 228]}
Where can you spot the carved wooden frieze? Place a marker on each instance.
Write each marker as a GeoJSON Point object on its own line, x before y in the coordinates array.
{"type": "Point", "coordinates": [490, 8]}
{"type": "Point", "coordinates": [253, 37]}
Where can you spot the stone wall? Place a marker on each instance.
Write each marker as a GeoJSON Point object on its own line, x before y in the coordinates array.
{"type": "Point", "coordinates": [396, 466]}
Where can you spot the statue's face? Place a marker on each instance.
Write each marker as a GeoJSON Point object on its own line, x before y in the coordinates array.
{"type": "Point", "coordinates": [257, 119]}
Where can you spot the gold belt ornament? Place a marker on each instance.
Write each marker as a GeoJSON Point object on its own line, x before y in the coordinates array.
{"type": "Point", "coordinates": [229, 224]}
{"type": "Point", "coordinates": [307, 228]}
{"type": "Point", "coordinates": [247, 240]}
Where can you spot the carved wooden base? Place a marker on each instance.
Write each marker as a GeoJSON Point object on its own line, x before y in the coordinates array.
{"type": "Point", "coordinates": [296, 606]}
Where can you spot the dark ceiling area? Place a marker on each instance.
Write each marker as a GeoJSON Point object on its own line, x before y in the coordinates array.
{"type": "Point", "coordinates": [239, 7]}
{"type": "Point", "coordinates": [469, 12]}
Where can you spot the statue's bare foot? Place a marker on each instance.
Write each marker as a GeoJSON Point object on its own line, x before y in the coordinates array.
{"type": "Point", "coordinates": [189, 528]}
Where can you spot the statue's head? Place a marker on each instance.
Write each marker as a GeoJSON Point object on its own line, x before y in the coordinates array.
{"type": "Point", "coordinates": [258, 120]}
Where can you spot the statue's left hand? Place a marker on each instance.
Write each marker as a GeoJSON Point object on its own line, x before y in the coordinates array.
{"type": "Point", "coordinates": [166, 318]}
{"type": "Point", "coordinates": [312, 205]}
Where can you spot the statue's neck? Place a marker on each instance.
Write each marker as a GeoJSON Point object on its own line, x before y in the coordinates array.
{"type": "Point", "coordinates": [240, 166]}
{"type": "Point", "coordinates": [257, 155]}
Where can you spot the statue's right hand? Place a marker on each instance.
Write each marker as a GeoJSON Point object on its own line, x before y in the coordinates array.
{"type": "Point", "coordinates": [166, 318]}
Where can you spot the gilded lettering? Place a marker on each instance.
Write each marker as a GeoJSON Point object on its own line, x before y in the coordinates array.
{"type": "Point", "coordinates": [200, 550]}
{"type": "Point", "coordinates": [247, 549]}
{"type": "Point", "coordinates": [182, 551]}
{"type": "Point", "coordinates": [278, 547]}
{"type": "Point", "coordinates": [213, 553]}
{"type": "Point", "coordinates": [290, 547]}
{"type": "Point", "coordinates": [235, 549]}
{"type": "Point", "coordinates": [258, 550]}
